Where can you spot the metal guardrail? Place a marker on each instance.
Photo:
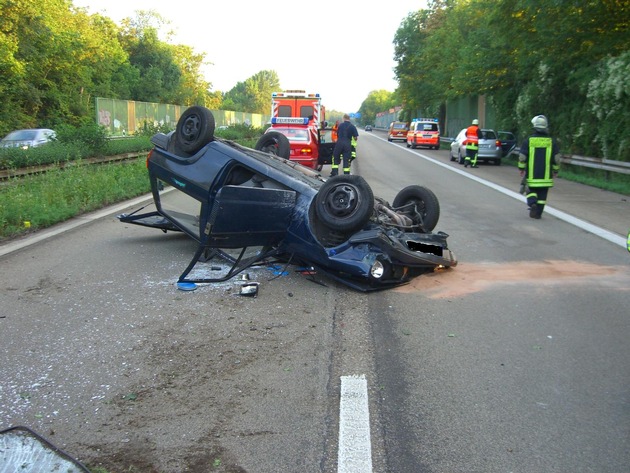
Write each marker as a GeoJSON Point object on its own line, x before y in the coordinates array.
{"type": "Point", "coordinates": [609, 165]}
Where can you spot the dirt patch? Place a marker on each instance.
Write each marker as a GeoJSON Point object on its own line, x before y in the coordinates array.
{"type": "Point", "coordinates": [467, 279]}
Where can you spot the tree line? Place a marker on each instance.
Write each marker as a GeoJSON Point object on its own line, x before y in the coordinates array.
{"type": "Point", "coordinates": [55, 58]}
{"type": "Point", "coordinates": [566, 59]}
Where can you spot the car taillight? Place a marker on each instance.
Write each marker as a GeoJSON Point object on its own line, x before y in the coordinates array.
{"type": "Point", "coordinates": [306, 151]}
{"type": "Point", "coordinates": [498, 143]}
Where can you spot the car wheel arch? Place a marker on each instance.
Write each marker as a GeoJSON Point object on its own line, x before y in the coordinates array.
{"type": "Point", "coordinates": [427, 204]}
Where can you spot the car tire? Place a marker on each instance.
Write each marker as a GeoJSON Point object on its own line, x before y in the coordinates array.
{"type": "Point", "coordinates": [460, 158]}
{"type": "Point", "coordinates": [427, 207]}
{"type": "Point", "coordinates": [345, 203]}
{"type": "Point", "coordinates": [195, 129]}
{"type": "Point", "coordinates": [275, 143]}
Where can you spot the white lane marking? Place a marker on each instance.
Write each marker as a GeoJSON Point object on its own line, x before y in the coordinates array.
{"type": "Point", "coordinates": [355, 448]}
{"type": "Point", "coordinates": [570, 219]}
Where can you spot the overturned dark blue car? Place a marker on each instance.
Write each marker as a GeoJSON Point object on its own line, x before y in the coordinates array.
{"type": "Point", "coordinates": [254, 206]}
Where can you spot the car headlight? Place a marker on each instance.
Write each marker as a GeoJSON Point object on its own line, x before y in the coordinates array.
{"type": "Point", "coordinates": [377, 270]}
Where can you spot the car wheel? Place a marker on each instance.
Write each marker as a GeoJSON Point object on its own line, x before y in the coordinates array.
{"type": "Point", "coordinates": [453, 158]}
{"type": "Point", "coordinates": [274, 143]}
{"type": "Point", "coordinates": [497, 162]}
{"type": "Point", "coordinates": [345, 203]}
{"type": "Point", "coordinates": [420, 204]}
{"type": "Point", "coordinates": [460, 158]}
{"type": "Point", "coordinates": [195, 129]}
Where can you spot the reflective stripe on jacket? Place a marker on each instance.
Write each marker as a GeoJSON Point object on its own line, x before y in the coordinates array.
{"type": "Point", "coordinates": [539, 165]}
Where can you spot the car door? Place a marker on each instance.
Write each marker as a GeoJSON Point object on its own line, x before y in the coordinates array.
{"type": "Point", "coordinates": [243, 216]}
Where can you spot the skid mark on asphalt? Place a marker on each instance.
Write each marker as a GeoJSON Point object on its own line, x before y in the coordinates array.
{"type": "Point", "coordinates": [471, 278]}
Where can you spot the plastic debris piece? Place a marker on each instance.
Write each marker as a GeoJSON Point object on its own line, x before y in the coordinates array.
{"type": "Point", "coordinates": [249, 289]}
{"type": "Point", "coordinates": [186, 286]}
{"type": "Point", "coordinates": [21, 449]}
{"type": "Point", "coordinates": [306, 270]}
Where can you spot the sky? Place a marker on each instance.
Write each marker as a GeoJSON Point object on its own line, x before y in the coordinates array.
{"type": "Point", "coordinates": [340, 49]}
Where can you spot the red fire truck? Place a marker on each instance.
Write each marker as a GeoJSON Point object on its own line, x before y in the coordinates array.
{"type": "Point", "coordinates": [301, 117]}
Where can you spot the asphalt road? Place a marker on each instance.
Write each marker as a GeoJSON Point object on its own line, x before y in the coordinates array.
{"type": "Point", "coordinates": [515, 360]}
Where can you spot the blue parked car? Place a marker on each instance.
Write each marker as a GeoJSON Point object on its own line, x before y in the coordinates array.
{"type": "Point", "coordinates": [251, 206]}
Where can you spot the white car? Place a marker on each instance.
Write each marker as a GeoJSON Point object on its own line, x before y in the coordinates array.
{"type": "Point", "coordinates": [29, 138]}
{"type": "Point", "coordinates": [489, 147]}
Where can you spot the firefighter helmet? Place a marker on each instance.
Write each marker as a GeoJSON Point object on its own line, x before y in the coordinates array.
{"type": "Point", "coordinates": [539, 122]}
{"type": "Point", "coordinates": [475, 122]}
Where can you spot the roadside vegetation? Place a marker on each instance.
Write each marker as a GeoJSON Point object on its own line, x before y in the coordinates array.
{"type": "Point", "coordinates": [40, 200]}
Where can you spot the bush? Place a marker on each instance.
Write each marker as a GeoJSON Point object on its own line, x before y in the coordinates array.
{"type": "Point", "coordinates": [89, 135]}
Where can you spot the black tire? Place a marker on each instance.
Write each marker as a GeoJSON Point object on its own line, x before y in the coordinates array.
{"type": "Point", "coordinates": [460, 158]}
{"type": "Point", "coordinates": [425, 212]}
{"type": "Point", "coordinates": [195, 129]}
{"type": "Point", "coordinates": [344, 203]}
{"type": "Point", "coordinates": [276, 143]}
{"type": "Point", "coordinates": [450, 153]}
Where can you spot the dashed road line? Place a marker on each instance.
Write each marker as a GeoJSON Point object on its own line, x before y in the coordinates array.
{"type": "Point", "coordinates": [355, 450]}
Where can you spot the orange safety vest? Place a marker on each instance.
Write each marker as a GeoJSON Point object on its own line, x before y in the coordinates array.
{"type": "Point", "coordinates": [472, 137]}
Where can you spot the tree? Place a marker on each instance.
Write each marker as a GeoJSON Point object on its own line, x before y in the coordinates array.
{"type": "Point", "coordinates": [527, 57]}
{"type": "Point", "coordinates": [376, 102]}
{"type": "Point", "coordinates": [253, 95]}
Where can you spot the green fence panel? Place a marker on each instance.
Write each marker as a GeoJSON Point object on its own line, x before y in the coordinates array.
{"type": "Point", "coordinates": [127, 117]}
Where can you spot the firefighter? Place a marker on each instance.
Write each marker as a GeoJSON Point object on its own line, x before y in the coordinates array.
{"type": "Point", "coordinates": [472, 144]}
{"type": "Point", "coordinates": [343, 147]}
{"type": "Point", "coordinates": [538, 163]}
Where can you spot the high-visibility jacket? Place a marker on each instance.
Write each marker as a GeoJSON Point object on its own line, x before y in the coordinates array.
{"type": "Point", "coordinates": [472, 137]}
{"type": "Point", "coordinates": [539, 157]}
{"type": "Point", "coordinates": [334, 132]}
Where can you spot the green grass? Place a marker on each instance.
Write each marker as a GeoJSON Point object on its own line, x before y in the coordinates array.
{"type": "Point", "coordinates": [41, 200]}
